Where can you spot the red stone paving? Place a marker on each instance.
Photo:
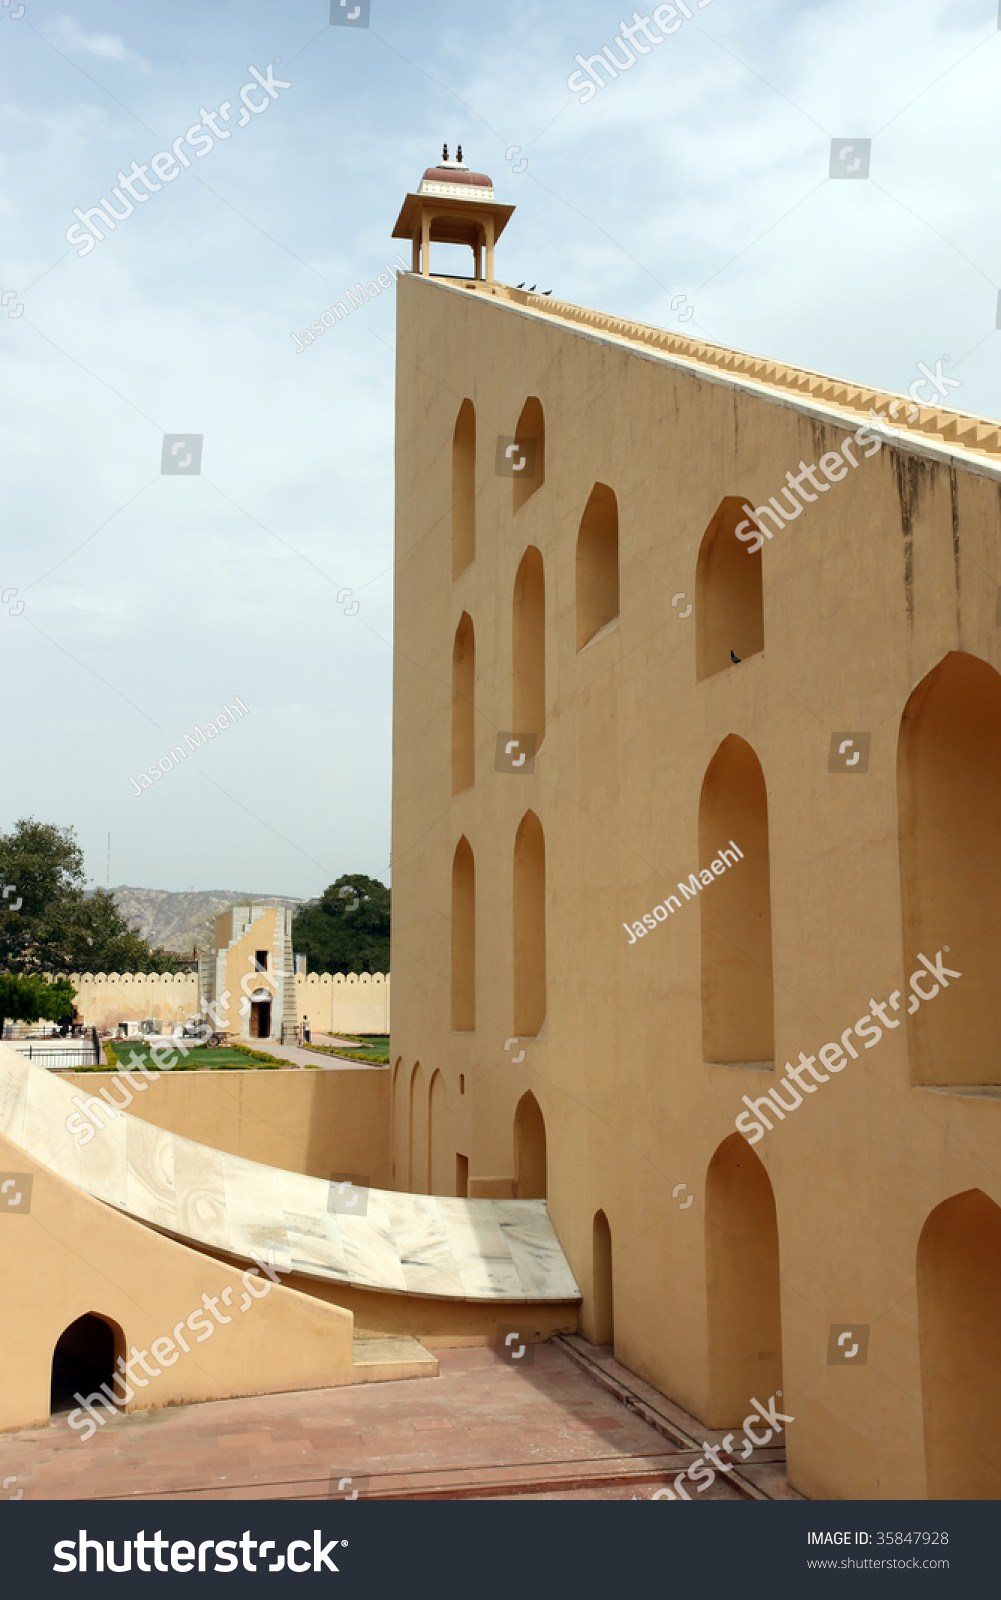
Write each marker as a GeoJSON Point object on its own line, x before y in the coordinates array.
{"type": "Point", "coordinates": [481, 1429]}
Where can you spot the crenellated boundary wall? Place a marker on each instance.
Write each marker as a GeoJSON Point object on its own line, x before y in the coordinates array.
{"type": "Point", "coordinates": [357, 1002]}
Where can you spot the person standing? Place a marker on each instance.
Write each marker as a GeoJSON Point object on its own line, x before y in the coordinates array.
{"type": "Point", "coordinates": [305, 1030]}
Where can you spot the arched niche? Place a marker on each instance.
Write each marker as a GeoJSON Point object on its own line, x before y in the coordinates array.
{"type": "Point", "coordinates": [530, 436]}
{"type": "Point", "coordinates": [597, 564]}
{"type": "Point", "coordinates": [729, 607]}
{"type": "Point", "coordinates": [599, 1305]}
{"type": "Point", "coordinates": [397, 1121]}
{"type": "Point", "coordinates": [417, 1181]}
{"type": "Point", "coordinates": [742, 1283]}
{"type": "Point", "coordinates": [463, 988]}
{"type": "Point", "coordinates": [959, 1323]}
{"type": "Point", "coordinates": [735, 910]}
{"type": "Point", "coordinates": [439, 1143]}
{"type": "Point", "coordinates": [528, 647]}
{"type": "Point", "coordinates": [464, 489]}
{"type": "Point", "coordinates": [530, 1160]}
{"type": "Point", "coordinates": [463, 706]}
{"type": "Point", "coordinates": [529, 903]}
{"type": "Point", "coordinates": [949, 798]}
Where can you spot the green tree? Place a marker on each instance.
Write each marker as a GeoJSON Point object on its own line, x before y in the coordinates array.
{"type": "Point", "coordinates": [58, 927]}
{"type": "Point", "coordinates": [348, 929]}
{"type": "Point", "coordinates": [28, 999]}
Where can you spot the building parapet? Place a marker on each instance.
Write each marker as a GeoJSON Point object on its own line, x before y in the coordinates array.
{"type": "Point", "coordinates": [901, 416]}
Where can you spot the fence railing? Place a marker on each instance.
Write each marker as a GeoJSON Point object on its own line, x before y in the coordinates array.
{"type": "Point", "coordinates": [82, 1056]}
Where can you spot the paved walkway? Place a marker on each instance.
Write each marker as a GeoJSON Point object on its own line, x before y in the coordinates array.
{"type": "Point", "coordinates": [482, 1429]}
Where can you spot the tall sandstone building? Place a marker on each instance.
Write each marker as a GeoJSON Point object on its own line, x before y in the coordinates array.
{"type": "Point", "coordinates": [697, 855]}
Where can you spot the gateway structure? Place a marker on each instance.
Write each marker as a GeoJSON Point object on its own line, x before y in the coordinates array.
{"type": "Point", "coordinates": [622, 644]}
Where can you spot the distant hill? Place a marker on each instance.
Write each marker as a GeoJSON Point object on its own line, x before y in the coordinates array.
{"type": "Point", "coordinates": [173, 920]}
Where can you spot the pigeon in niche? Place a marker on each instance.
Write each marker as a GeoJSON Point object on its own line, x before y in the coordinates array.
{"type": "Point", "coordinates": [734, 659]}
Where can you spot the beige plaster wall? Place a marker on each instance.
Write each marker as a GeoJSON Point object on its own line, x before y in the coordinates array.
{"type": "Point", "coordinates": [863, 595]}
{"type": "Point", "coordinates": [70, 1255]}
{"type": "Point", "coordinates": [315, 1122]}
{"type": "Point", "coordinates": [353, 1002]}
{"type": "Point", "coordinates": [106, 999]}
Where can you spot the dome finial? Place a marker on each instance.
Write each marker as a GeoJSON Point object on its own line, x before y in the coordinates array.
{"type": "Point", "coordinates": [458, 154]}
{"type": "Point", "coordinates": [444, 152]}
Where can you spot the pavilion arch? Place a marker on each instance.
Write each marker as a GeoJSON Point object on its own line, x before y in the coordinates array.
{"type": "Point", "coordinates": [528, 647]}
{"type": "Point", "coordinates": [417, 1176]}
{"type": "Point", "coordinates": [737, 1002]}
{"type": "Point", "coordinates": [464, 489]}
{"type": "Point", "coordinates": [531, 431]}
{"type": "Point", "coordinates": [959, 1325]}
{"type": "Point", "coordinates": [597, 564]}
{"type": "Point", "coordinates": [949, 797]}
{"type": "Point", "coordinates": [529, 899]}
{"type": "Point", "coordinates": [729, 610]}
{"type": "Point", "coordinates": [598, 1310]}
{"type": "Point", "coordinates": [463, 705]}
{"type": "Point", "coordinates": [463, 986]}
{"type": "Point", "coordinates": [530, 1160]}
{"type": "Point", "coordinates": [742, 1283]}
{"type": "Point", "coordinates": [440, 1160]}
{"type": "Point", "coordinates": [85, 1356]}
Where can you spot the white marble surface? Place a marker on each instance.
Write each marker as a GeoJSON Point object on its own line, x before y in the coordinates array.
{"type": "Point", "coordinates": [405, 1243]}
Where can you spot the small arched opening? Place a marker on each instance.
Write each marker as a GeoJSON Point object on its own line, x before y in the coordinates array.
{"type": "Point", "coordinates": [599, 1315]}
{"type": "Point", "coordinates": [439, 1162]}
{"type": "Point", "coordinates": [84, 1359]}
{"type": "Point", "coordinates": [530, 1163]}
{"type": "Point", "coordinates": [417, 1179]}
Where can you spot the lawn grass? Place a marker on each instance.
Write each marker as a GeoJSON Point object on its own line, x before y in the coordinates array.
{"type": "Point", "coordinates": [219, 1059]}
{"type": "Point", "coordinates": [374, 1057]}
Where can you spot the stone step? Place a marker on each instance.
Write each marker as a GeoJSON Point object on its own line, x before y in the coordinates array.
{"type": "Point", "coordinates": [387, 1360]}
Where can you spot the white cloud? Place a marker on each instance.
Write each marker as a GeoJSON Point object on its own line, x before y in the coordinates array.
{"type": "Point", "coordinates": [66, 34]}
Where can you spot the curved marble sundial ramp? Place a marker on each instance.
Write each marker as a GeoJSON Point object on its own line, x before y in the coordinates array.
{"type": "Point", "coordinates": [410, 1244]}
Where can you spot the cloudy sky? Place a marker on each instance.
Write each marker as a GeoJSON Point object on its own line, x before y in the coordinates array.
{"type": "Point", "coordinates": [692, 191]}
